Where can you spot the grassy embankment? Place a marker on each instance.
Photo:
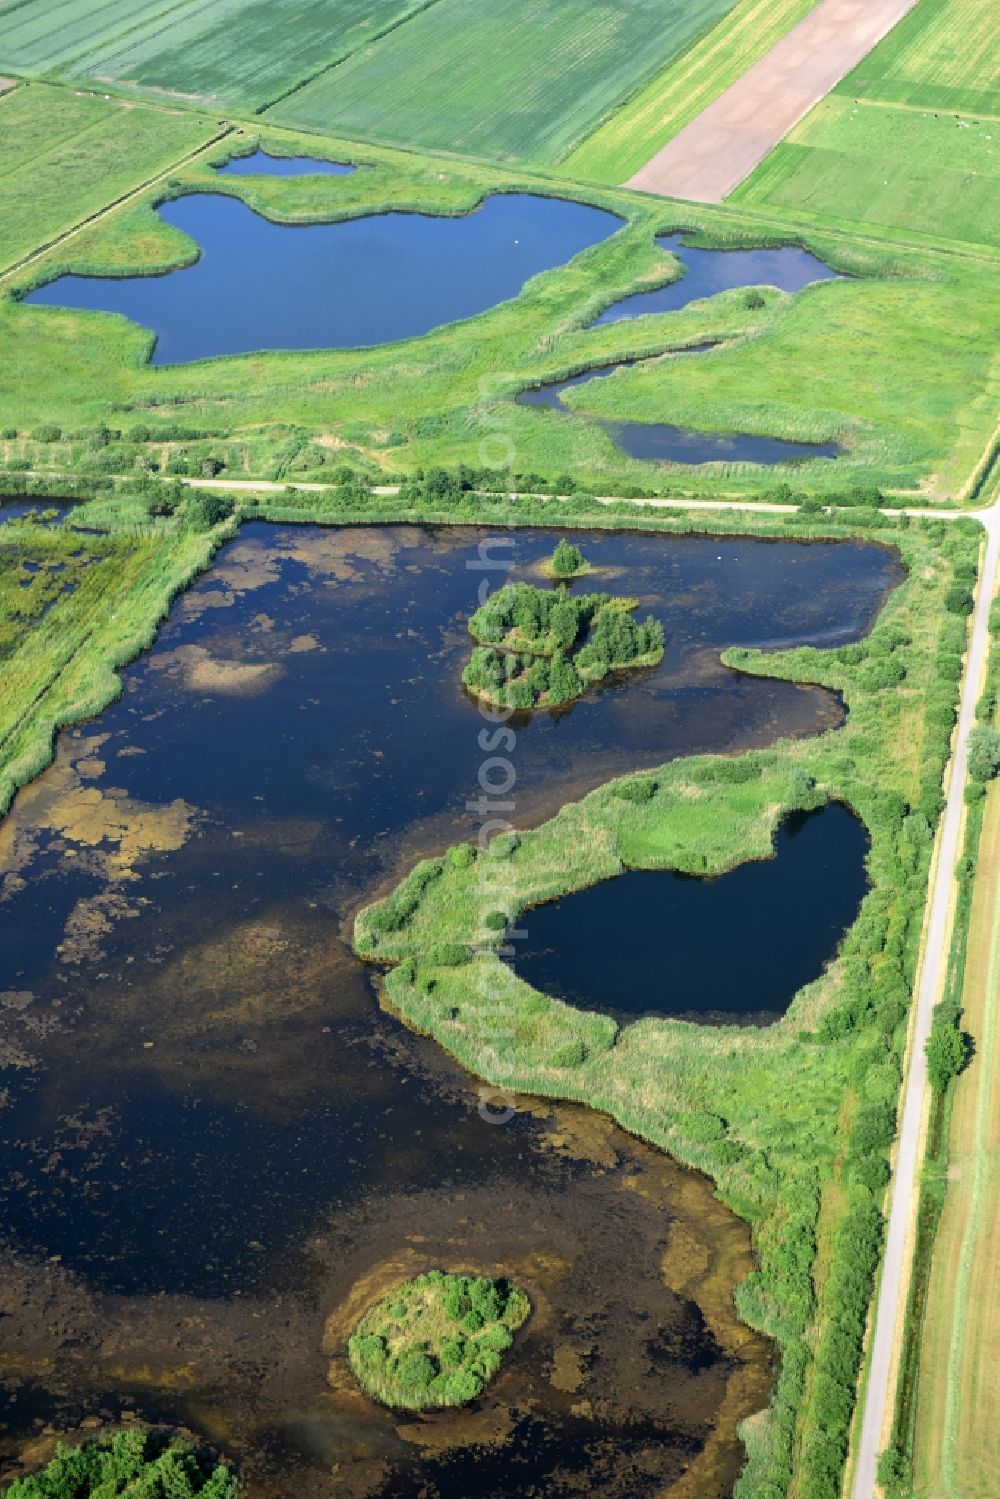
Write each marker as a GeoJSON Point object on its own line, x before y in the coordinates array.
{"type": "Point", "coordinates": [944, 1420]}
{"type": "Point", "coordinates": [655, 113]}
{"type": "Point", "coordinates": [908, 145]}
{"type": "Point", "coordinates": [792, 1122]}
{"type": "Point", "coordinates": [891, 361]}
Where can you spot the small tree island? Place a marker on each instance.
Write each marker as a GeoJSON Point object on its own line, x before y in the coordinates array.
{"type": "Point", "coordinates": [567, 561]}
{"type": "Point", "coordinates": [541, 647]}
{"type": "Point", "coordinates": [436, 1340]}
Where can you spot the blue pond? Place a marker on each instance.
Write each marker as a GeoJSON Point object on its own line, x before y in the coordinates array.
{"type": "Point", "coordinates": [707, 272]}
{"type": "Point", "coordinates": [735, 949]}
{"type": "Point", "coordinates": [263, 164]}
{"type": "Point", "coordinates": [260, 285]}
{"type": "Point", "coordinates": [659, 442]}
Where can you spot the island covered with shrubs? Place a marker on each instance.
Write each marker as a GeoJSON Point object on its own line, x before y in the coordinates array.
{"type": "Point", "coordinates": [542, 647]}
{"type": "Point", "coordinates": [436, 1340]}
{"type": "Point", "coordinates": [137, 1462]}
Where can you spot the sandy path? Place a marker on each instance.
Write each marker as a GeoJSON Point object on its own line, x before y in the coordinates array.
{"type": "Point", "coordinates": [723, 144]}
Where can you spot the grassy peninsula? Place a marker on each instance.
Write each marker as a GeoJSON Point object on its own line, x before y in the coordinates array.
{"type": "Point", "coordinates": [436, 1340]}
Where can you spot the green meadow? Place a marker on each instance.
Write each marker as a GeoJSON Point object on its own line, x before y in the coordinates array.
{"type": "Point", "coordinates": [917, 175]}
{"type": "Point", "coordinates": [942, 55]}
{"type": "Point", "coordinates": [65, 156]}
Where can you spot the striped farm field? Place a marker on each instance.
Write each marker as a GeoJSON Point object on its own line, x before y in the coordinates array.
{"type": "Point", "coordinates": [656, 112]}
{"type": "Point", "coordinates": [245, 52]}
{"type": "Point", "coordinates": [890, 170]}
{"type": "Point", "coordinates": [943, 55]}
{"type": "Point", "coordinates": [518, 80]}
{"type": "Point", "coordinates": [63, 156]}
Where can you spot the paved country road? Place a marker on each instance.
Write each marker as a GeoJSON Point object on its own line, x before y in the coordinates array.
{"type": "Point", "coordinates": [723, 144]}
{"type": "Point", "coordinates": [898, 1248]}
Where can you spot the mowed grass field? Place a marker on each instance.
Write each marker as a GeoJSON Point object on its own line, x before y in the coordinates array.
{"type": "Point", "coordinates": [517, 80]}
{"type": "Point", "coordinates": [912, 174]}
{"type": "Point", "coordinates": [957, 1430]}
{"type": "Point", "coordinates": [63, 156]}
{"type": "Point", "coordinates": [245, 52]}
{"type": "Point", "coordinates": [943, 55]}
{"type": "Point", "coordinates": [655, 113]}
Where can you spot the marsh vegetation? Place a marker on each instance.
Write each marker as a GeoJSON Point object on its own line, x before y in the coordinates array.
{"type": "Point", "coordinates": [436, 1340]}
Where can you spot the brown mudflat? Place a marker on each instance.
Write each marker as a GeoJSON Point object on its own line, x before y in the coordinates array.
{"type": "Point", "coordinates": [723, 144]}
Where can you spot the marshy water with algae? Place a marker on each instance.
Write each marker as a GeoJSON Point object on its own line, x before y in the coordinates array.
{"type": "Point", "coordinates": [221, 1149]}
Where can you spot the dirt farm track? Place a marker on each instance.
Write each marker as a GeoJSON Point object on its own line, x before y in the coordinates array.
{"type": "Point", "coordinates": [722, 145]}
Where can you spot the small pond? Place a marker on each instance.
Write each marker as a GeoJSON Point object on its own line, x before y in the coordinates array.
{"type": "Point", "coordinates": [258, 285]}
{"type": "Point", "coordinates": [730, 950]}
{"type": "Point", "coordinates": [218, 1144]}
{"type": "Point", "coordinates": [660, 442]}
{"type": "Point", "coordinates": [707, 272]}
{"type": "Point", "coordinates": [261, 163]}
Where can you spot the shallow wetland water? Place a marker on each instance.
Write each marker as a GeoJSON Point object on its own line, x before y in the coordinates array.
{"type": "Point", "coordinates": [219, 1147]}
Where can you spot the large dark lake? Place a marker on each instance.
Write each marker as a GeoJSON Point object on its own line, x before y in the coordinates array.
{"type": "Point", "coordinates": [219, 1147]}
{"type": "Point", "coordinates": [259, 285]}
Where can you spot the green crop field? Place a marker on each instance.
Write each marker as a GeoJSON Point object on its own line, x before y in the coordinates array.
{"type": "Point", "coordinates": [686, 86]}
{"type": "Point", "coordinates": [909, 173]}
{"type": "Point", "coordinates": [246, 52]}
{"type": "Point", "coordinates": [942, 56]}
{"type": "Point", "coordinates": [63, 156]}
{"type": "Point", "coordinates": [517, 80]}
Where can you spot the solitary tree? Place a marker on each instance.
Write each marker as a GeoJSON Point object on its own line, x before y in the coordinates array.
{"type": "Point", "coordinates": [567, 560]}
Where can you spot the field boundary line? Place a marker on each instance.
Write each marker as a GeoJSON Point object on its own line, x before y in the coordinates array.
{"type": "Point", "coordinates": [134, 192]}
{"type": "Point", "coordinates": [39, 156]}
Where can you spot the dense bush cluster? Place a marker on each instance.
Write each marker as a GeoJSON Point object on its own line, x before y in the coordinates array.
{"type": "Point", "coordinates": [138, 1463]}
{"type": "Point", "coordinates": [544, 647]}
{"type": "Point", "coordinates": [436, 1340]}
{"type": "Point", "coordinates": [567, 560]}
